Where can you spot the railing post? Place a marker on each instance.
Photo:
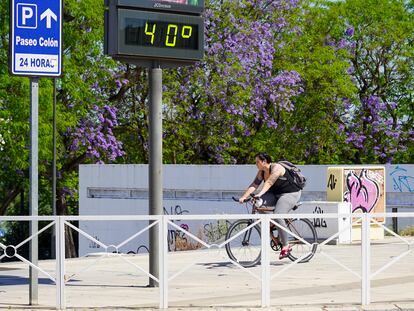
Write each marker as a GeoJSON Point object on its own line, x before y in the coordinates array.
{"type": "Point", "coordinates": [366, 259]}
{"type": "Point", "coordinates": [60, 263]}
{"type": "Point", "coordinates": [163, 261]}
{"type": "Point", "coordinates": [265, 265]}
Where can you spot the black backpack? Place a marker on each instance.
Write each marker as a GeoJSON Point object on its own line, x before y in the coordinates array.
{"type": "Point", "coordinates": [295, 172]}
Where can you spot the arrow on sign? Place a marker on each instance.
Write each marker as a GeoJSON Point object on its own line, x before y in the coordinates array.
{"type": "Point", "coordinates": [48, 14]}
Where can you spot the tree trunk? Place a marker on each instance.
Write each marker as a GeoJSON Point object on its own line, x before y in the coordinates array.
{"type": "Point", "coordinates": [8, 199]}
{"type": "Point", "coordinates": [61, 208]}
{"type": "Point", "coordinates": [70, 249]}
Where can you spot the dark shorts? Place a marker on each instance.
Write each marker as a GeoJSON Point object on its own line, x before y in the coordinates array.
{"type": "Point", "coordinates": [282, 203]}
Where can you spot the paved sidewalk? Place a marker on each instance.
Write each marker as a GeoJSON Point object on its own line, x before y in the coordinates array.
{"type": "Point", "coordinates": [209, 282]}
{"type": "Point", "coordinates": [342, 307]}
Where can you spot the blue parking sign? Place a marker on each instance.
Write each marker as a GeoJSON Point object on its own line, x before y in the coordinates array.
{"type": "Point", "coordinates": [36, 38]}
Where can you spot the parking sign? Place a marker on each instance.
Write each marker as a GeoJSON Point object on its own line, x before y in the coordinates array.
{"type": "Point", "coordinates": [36, 38]}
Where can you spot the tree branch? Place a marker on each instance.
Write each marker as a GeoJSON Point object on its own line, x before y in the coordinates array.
{"type": "Point", "coordinates": [9, 199]}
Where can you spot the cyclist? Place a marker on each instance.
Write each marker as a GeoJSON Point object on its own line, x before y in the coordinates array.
{"type": "Point", "coordinates": [278, 191]}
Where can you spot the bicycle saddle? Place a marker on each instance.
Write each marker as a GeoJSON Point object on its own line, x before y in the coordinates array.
{"type": "Point", "coordinates": [296, 206]}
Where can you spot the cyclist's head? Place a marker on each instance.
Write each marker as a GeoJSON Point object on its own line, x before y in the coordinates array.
{"type": "Point", "coordinates": [262, 158]}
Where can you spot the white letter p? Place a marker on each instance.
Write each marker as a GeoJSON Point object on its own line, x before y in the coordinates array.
{"type": "Point", "coordinates": [27, 13]}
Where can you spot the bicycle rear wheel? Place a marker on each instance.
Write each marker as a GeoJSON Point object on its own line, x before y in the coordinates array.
{"type": "Point", "coordinates": [245, 248]}
{"type": "Point", "coordinates": [303, 231]}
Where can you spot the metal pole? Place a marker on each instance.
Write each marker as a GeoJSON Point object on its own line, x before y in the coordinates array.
{"type": "Point", "coordinates": [54, 170]}
{"type": "Point", "coordinates": [155, 164]}
{"type": "Point", "coordinates": [395, 220]}
{"type": "Point", "coordinates": [54, 151]}
{"type": "Point", "coordinates": [33, 192]}
{"type": "Point", "coordinates": [22, 213]}
{"type": "Point", "coordinates": [366, 259]}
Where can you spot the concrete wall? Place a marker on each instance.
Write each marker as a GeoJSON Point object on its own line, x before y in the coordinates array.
{"type": "Point", "coordinates": [193, 189]}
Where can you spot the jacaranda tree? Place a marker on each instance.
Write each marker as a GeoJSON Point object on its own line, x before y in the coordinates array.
{"type": "Point", "coordinates": [377, 122]}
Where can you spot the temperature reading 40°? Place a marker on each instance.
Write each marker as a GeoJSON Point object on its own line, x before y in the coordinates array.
{"type": "Point", "coordinates": [172, 33]}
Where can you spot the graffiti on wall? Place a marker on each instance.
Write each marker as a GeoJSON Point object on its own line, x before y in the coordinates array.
{"type": "Point", "coordinates": [178, 240]}
{"type": "Point", "coordinates": [402, 181]}
{"type": "Point", "coordinates": [362, 190]}
{"type": "Point", "coordinates": [209, 232]}
{"type": "Point", "coordinates": [93, 244]}
{"type": "Point", "coordinates": [216, 231]}
{"type": "Point", "coordinates": [319, 222]}
{"type": "Point", "coordinates": [332, 181]}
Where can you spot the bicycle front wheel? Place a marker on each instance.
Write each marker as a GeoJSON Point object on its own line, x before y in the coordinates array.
{"type": "Point", "coordinates": [244, 247]}
{"type": "Point", "coordinates": [302, 239]}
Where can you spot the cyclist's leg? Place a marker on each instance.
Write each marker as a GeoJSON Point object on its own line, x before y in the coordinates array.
{"type": "Point", "coordinates": [269, 201]}
{"type": "Point", "coordinates": [283, 206]}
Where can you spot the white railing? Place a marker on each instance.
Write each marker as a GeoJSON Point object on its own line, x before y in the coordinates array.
{"type": "Point", "coordinates": [162, 223]}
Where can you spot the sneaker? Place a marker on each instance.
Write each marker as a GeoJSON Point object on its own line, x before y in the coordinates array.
{"type": "Point", "coordinates": [284, 252]}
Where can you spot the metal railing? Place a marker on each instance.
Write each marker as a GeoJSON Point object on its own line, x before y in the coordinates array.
{"type": "Point", "coordinates": [162, 223]}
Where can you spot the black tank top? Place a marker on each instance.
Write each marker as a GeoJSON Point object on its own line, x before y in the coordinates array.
{"type": "Point", "coordinates": [284, 184]}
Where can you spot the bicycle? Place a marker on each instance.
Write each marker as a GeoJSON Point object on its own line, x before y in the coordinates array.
{"type": "Point", "coordinates": [245, 248]}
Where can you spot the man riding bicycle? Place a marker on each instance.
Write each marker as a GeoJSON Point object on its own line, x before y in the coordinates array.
{"type": "Point", "coordinates": [279, 191]}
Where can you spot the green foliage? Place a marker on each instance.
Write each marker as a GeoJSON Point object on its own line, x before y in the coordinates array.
{"type": "Point", "coordinates": [382, 62]}
{"type": "Point", "coordinates": [309, 135]}
{"type": "Point", "coordinates": [211, 110]}
{"type": "Point", "coordinates": [83, 65]}
{"type": "Point", "coordinates": [408, 231]}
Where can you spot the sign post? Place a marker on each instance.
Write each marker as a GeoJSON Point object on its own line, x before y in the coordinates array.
{"type": "Point", "coordinates": [155, 34]}
{"type": "Point", "coordinates": [35, 51]}
{"type": "Point", "coordinates": [155, 164]}
{"type": "Point", "coordinates": [34, 187]}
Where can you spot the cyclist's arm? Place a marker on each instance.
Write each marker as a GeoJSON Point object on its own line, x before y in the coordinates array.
{"type": "Point", "coordinates": [277, 171]}
{"type": "Point", "coordinates": [253, 186]}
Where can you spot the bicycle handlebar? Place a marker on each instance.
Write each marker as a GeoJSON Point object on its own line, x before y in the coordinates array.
{"type": "Point", "coordinates": [258, 202]}
{"type": "Point", "coordinates": [245, 201]}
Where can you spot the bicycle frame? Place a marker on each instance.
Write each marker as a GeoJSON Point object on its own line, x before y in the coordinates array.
{"type": "Point", "coordinates": [298, 232]}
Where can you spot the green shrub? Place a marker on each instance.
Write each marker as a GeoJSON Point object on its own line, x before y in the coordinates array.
{"type": "Point", "coordinates": [408, 231]}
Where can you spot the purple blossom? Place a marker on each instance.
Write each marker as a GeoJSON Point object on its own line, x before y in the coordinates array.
{"type": "Point", "coordinates": [94, 135]}
{"type": "Point", "coordinates": [377, 132]}
{"type": "Point", "coordinates": [342, 44]}
{"type": "Point", "coordinates": [69, 191]}
{"type": "Point", "coordinates": [350, 70]}
{"type": "Point", "coordinates": [349, 32]}
{"type": "Point", "coordinates": [237, 80]}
